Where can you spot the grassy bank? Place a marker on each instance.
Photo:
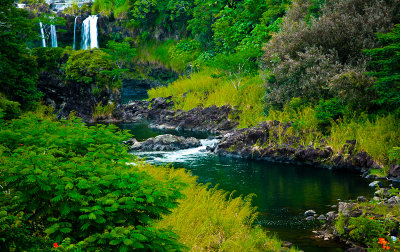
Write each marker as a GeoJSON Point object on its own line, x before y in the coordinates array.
{"type": "Point", "coordinates": [376, 135]}
{"type": "Point", "coordinates": [81, 188]}
{"type": "Point", "coordinates": [212, 219]}
{"type": "Point", "coordinates": [207, 88]}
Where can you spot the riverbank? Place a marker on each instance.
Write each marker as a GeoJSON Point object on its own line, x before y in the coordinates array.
{"type": "Point", "coordinates": [161, 208]}
{"type": "Point", "coordinates": [269, 140]}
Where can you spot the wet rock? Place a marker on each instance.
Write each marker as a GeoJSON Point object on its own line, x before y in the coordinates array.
{"type": "Point", "coordinates": [310, 218]}
{"type": "Point", "coordinates": [321, 217]}
{"type": "Point", "coordinates": [382, 192]}
{"type": "Point", "coordinates": [361, 199]}
{"type": "Point", "coordinates": [348, 209]}
{"type": "Point", "coordinates": [394, 170]}
{"type": "Point", "coordinates": [362, 159]}
{"type": "Point", "coordinates": [356, 249]}
{"type": "Point", "coordinates": [287, 244]}
{"type": "Point", "coordinates": [375, 183]}
{"type": "Point", "coordinates": [309, 213]}
{"type": "Point", "coordinates": [376, 198]}
{"type": "Point", "coordinates": [393, 200]}
{"type": "Point", "coordinates": [331, 215]}
{"type": "Point", "coordinates": [166, 143]}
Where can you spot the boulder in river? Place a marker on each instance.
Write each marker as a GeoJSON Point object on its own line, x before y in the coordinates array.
{"type": "Point", "coordinates": [309, 213]}
{"type": "Point", "coordinates": [166, 142]}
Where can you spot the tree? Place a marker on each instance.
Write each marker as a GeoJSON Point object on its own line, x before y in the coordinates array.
{"type": "Point", "coordinates": [18, 69]}
{"type": "Point", "coordinates": [385, 66]}
{"type": "Point", "coordinates": [91, 67]}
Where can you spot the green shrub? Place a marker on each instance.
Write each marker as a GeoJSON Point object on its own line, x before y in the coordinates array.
{"type": "Point", "coordinates": [69, 180]}
{"type": "Point", "coordinates": [367, 229]}
{"type": "Point", "coordinates": [327, 111]}
{"type": "Point", "coordinates": [10, 109]}
{"type": "Point", "coordinates": [91, 67]}
{"type": "Point", "coordinates": [49, 59]}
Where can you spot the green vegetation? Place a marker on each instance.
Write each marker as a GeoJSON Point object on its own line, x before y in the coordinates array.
{"type": "Point", "coordinates": [319, 79]}
{"type": "Point", "coordinates": [92, 67]}
{"type": "Point", "coordinates": [205, 90]}
{"type": "Point", "coordinates": [103, 112]}
{"type": "Point", "coordinates": [373, 222]}
{"type": "Point", "coordinates": [86, 192]}
{"type": "Point", "coordinates": [81, 187]}
{"type": "Point", "coordinates": [18, 69]}
{"type": "Point", "coordinates": [211, 219]}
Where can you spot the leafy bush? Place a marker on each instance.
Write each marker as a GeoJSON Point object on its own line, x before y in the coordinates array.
{"type": "Point", "coordinates": [9, 109]}
{"type": "Point", "coordinates": [69, 180]}
{"type": "Point", "coordinates": [305, 75]}
{"type": "Point", "coordinates": [326, 46]}
{"type": "Point", "coordinates": [355, 89]}
{"type": "Point", "coordinates": [49, 59]}
{"type": "Point", "coordinates": [367, 229]}
{"type": "Point", "coordinates": [91, 67]}
{"type": "Point", "coordinates": [328, 110]}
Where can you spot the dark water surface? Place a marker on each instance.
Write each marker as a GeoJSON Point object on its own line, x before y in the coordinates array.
{"type": "Point", "coordinates": [283, 191]}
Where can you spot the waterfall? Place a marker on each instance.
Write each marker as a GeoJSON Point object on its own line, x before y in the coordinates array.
{"type": "Point", "coordinates": [42, 34]}
{"type": "Point", "coordinates": [73, 46]}
{"type": "Point", "coordinates": [89, 33]}
{"type": "Point", "coordinates": [53, 36]}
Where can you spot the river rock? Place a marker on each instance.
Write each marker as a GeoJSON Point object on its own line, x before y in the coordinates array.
{"type": "Point", "coordinates": [356, 249]}
{"type": "Point", "coordinates": [345, 208]}
{"type": "Point", "coordinates": [375, 183]}
{"type": "Point", "coordinates": [166, 142]}
{"type": "Point", "coordinates": [310, 218]}
{"type": "Point", "coordinates": [331, 215]}
{"type": "Point", "coordinates": [393, 200]}
{"type": "Point", "coordinates": [361, 199]}
{"type": "Point", "coordinates": [394, 170]}
{"type": "Point", "coordinates": [321, 217]}
{"type": "Point", "coordinates": [382, 192]}
{"type": "Point", "coordinates": [309, 213]}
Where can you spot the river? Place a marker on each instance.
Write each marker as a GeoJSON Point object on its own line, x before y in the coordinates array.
{"type": "Point", "coordinates": [283, 192]}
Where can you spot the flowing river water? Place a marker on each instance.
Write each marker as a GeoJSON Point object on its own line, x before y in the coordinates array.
{"type": "Point", "coordinates": [283, 192]}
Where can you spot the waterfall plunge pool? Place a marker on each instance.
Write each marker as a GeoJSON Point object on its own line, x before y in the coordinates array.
{"type": "Point", "coordinates": [283, 191]}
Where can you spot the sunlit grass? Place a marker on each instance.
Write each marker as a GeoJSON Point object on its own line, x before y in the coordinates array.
{"type": "Point", "coordinates": [376, 137]}
{"type": "Point", "coordinates": [205, 90]}
{"type": "Point", "coordinates": [212, 219]}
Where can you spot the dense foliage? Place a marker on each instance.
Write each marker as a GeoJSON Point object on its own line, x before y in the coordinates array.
{"type": "Point", "coordinates": [386, 68]}
{"type": "Point", "coordinates": [92, 67]}
{"type": "Point", "coordinates": [18, 69]}
{"type": "Point", "coordinates": [62, 179]}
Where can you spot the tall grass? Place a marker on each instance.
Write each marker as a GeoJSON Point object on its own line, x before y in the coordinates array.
{"type": "Point", "coordinates": [377, 137]}
{"type": "Point", "coordinates": [211, 219]}
{"type": "Point", "coordinates": [204, 89]}
{"type": "Point", "coordinates": [155, 52]}
{"type": "Point", "coordinates": [103, 112]}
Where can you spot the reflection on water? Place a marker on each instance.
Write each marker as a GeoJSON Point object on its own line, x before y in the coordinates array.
{"type": "Point", "coordinates": [283, 191]}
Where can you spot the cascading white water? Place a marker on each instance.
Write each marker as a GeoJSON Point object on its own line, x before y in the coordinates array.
{"type": "Point", "coordinates": [73, 46]}
{"type": "Point", "coordinates": [42, 35]}
{"type": "Point", "coordinates": [93, 32]}
{"type": "Point", "coordinates": [89, 33]}
{"type": "Point", "coordinates": [53, 36]}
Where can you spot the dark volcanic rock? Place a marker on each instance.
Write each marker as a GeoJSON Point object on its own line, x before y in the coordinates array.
{"type": "Point", "coordinates": [159, 111]}
{"type": "Point", "coordinates": [394, 170]}
{"type": "Point", "coordinates": [166, 143]}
